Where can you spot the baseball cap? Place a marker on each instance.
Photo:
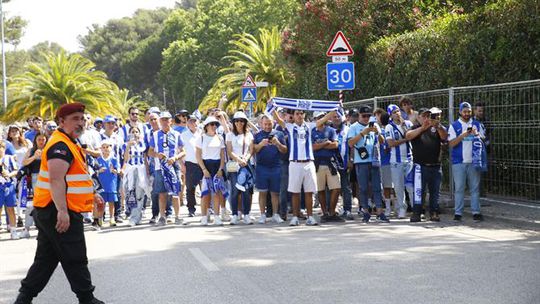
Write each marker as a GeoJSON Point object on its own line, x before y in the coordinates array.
{"type": "Point", "coordinates": [182, 112]}
{"type": "Point", "coordinates": [192, 117]}
{"type": "Point", "coordinates": [435, 110]}
{"type": "Point", "coordinates": [165, 114]}
{"type": "Point", "coordinates": [240, 115]}
{"type": "Point", "coordinates": [318, 114]}
{"type": "Point", "coordinates": [423, 110]}
{"type": "Point", "coordinates": [154, 110]}
{"type": "Point", "coordinates": [365, 110]}
{"type": "Point", "coordinates": [109, 118]}
{"type": "Point", "coordinates": [464, 105]}
{"type": "Point", "coordinates": [391, 108]}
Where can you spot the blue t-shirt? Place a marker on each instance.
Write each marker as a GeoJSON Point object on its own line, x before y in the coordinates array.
{"type": "Point", "coordinates": [327, 133]}
{"type": "Point", "coordinates": [368, 141]}
{"type": "Point", "coordinates": [284, 156]}
{"type": "Point", "coordinates": [10, 149]}
{"type": "Point", "coordinates": [108, 180]}
{"type": "Point", "coordinates": [269, 156]}
{"type": "Point", "coordinates": [30, 135]}
{"type": "Point", "coordinates": [179, 129]}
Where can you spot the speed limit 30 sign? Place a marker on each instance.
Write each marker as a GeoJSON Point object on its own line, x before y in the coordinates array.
{"type": "Point", "coordinates": [340, 76]}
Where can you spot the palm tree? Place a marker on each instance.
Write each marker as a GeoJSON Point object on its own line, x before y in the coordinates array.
{"type": "Point", "coordinates": [124, 102]}
{"type": "Point", "coordinates": [262, 59]}
{"type": "Point", "coordinates": [63, 79]}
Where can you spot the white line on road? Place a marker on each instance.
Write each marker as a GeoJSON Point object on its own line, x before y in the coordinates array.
{"type": "Point", "coordinates": [510, 203]}
{"type": "Point", "coordinates": [203, 259]}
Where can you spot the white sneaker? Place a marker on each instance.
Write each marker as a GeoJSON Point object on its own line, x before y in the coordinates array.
{"type": "Point", "coordinates": [14, 234]}
{"type": "Point", "coordinates": [178, 221]}
{"type": "Point", "coordinates": [277, 219]}
{"type": "Point", "coordinates": [217, 221]}
{"type": "Point", "coordinates": [247, 219]}
{"type": "Point", "coordinates": [234, 220]}
{"type": "Point", "coordinates": [311, 221]}
{"type": "Point", "coordinates": [225, 215]}
{"type": "Point", "coordinates": [25, 234]}
{"type": "Point", "coordinates": [131, 223]}
{"type": "Point", "coordinates": [262, 219]}
{"type": "Point", "coordinates": [294, 221]}
{"type": "Point", "coordinates": [204, 220]}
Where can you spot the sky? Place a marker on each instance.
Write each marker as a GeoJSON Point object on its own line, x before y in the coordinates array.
{"type": "Point", "coordinates": [62, 21]}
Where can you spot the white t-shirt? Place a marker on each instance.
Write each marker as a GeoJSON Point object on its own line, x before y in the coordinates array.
{"type": "Point", "coordinates": [92, 138]}
{"type": "Point", "coordinates": [210, 145]}
{"type": "Point", "coordinates": [189, 140]}
{"type": "Point", "coordinates": [300, 144]}
{"type": "Point", "coordinates": [239, 146]}
{"type": "Point", "coordinates": [20, 153]}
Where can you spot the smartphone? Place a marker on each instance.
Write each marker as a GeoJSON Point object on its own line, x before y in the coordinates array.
{"type": "Point", "coordinates": [435, 116]}
{"type": "Point", "coordinates": [270, 137]}
{"type": "Point", "coordinates": [84, 146]}
{"type": "Point", "coordinates": [469, 129]}
{"type": "Point", "coordinates": [371, 123]}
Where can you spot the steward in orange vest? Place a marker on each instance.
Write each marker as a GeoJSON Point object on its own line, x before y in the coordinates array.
{"type": "Point", "coordinates": [64, 189]}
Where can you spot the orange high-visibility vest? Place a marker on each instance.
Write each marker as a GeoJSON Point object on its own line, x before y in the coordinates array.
{"type": "Point", "coordinates": [79, 185]}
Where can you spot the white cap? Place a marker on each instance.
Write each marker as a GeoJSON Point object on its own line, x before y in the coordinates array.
{"type": "Point", "coordinates": [318, 113]}
{"type": "Point", "coordinates": [210, 119]}
{"type": "Point", "coordinates": [240, 115]}
{"type": "Point", "coordinates": [107, 142]}
{"type": "Point", "coordinates": [154, 110]}
{"type": "Point", "coordinates": [165, 114]}
{"type": "Point", "coordinates": [435, 110]}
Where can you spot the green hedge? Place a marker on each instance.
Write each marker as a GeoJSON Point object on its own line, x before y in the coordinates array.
{"type": "Point", "coordinates": [497, 43]}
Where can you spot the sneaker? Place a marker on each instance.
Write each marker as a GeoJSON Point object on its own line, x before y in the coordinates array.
{"type": "Point", "coordinates": [178, 221]}
{"type": "Point", "coordinates": [204, 220]}
{"type": "Point", "coordinates": [336, 218]}
{"type": "Point", "coordinates": [415, 218]}
{"type": "Point", "coordinates": [294, 221]}
{"type": "Point", "coordinates": [95, 226]}
{"type": "Point", "coordinates": [311, 221]}
{"type": "Point", "coordinates": [162, 221]}
{"type": "Point", "coordinates": [234, 220]}
{"type": "Point", "coordinates": [262, 219]}
{"type": "Point", "coordinates": [25, 234]}
{"type": "Point", "coordinates": [20, 223]}
{"type": "Point", "coordinates": [191, 214]}
{"type": "Point", "coordinates": [302, 216]}
{"type": "Point", "coordinates": [277, 219]}
{"type": "Point", "coordinates": [225, 217]}
{"type": "Point", "coordinates": [217, 221]}
{"type": "Point", "coordinates": [14, 234]}
{"type": "Point", "coordinates": [387, 212]}
{"type": "Point", "coordinates": [478, 217]}
{"type": "Point", "coordinates": [457, 217]}
{"type": "Point", "coordinates": [434, 217]}
{"type": "Point", "coordinates": [169, 219]}
{"type": "Point", "coordinates": [119, 220]}
{"type": "Point", "coordinates": [112, 223]}
{"type": "Point", "coordinates": [325, 218]}
{"type": "Point", "coordinates": [247, 219]}
{"type": "Point", "coordinates": [87, 220]}
{"type": "Point", "coordinates": [131, 223]}
{"type": "Point", "coordinates": [382, 218]}
{"type": "Point", "coordinates": [366, 217]}
{"type": "Point", "coordinates": [152, 220]}
{"type": "Point", "coordinates": [348, 216]}
{"type": "Point", "coordinates": [402, 213]}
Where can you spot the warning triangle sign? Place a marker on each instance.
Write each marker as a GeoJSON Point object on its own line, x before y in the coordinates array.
{"type": "Point", "coordinates": [249, 96]}
{"type": "Point", "coordinates": [340, 46]}
{"type": "Point", "coordinates": [249, 82]}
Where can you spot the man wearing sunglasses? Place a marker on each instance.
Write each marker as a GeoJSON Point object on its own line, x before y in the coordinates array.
{"type": "Point", "coordinates": [180, 121]}
{"type": "Point", "coordinates": [132, 121]}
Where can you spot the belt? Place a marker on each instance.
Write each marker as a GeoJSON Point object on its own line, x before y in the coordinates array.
{"type": "Point", "coordinates": [431, 165]}
{"type": "Point", "coordinates": [301, 161]}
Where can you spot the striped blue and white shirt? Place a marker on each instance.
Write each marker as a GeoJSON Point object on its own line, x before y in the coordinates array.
{"type": "Point", "coordinates": [124, 131]}
{"type": "Point", "coordinates": [403, 152]}
{"type": "Point", "coordinates": [136, 153]}
{"type": "Point", "coordinates": [462, 152]}
{"type": "Point", "coordinates": [167, 143]}
{"type": "Point", "coordinates": [300, 145]}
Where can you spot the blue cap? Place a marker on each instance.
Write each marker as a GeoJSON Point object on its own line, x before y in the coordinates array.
{"type": "Point", "coordinates": [391, 108]}
{"type": "Point", "coordinates": [109, 118]}
{"type": "Point", "coordinates": [464, 105]}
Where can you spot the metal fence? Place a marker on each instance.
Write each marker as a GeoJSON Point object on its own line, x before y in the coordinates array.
{"type": "Point", "coordinates": [512, 112]}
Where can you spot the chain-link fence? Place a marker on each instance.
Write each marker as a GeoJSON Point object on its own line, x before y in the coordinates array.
{"type": "Point", "coordinates": [512, 121]}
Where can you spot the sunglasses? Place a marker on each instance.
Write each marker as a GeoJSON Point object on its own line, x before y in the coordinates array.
{"type": "Point", "coordinates": [238, 120]}
{"type": "Point", "coordinates": [213, 124]}
{"type": "Point", "coordinates": [136, 114]}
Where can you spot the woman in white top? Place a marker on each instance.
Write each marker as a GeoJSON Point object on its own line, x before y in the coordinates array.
{"type": "Point", "coordinates": [239, 146]}
{"type": "Point", "coordinates": [22, 146]}
{"type": "Point", "coordinates": [210, 154]}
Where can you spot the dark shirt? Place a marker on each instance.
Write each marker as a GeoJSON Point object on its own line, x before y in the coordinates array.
{"type": "Point", "coordinates": [327, 133]}
{"type": "Point", "coordinates": [427, 147]}
{"type": "Point", "coordinates": [284, 156]}
{"type": "Point", "coordinates": [269, 156]}
{"type": "Point", "coordinates": [60, 150]}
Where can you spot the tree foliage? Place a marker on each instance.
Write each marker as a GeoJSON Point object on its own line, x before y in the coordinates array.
{"type": "Point", "coordinates": [63, 79]}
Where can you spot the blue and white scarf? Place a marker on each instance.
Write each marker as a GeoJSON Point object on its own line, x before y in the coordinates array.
{"type": "Point", "coordinates": [413, 179]}
{"type": "Point", "coordinates": [211, 186]}
{"type": "Point", "coordinates": [479, 155]}
{"type": "Point", "coordinates": [304, 104]}
{"type": "Point", "coordinates": [170, 178]}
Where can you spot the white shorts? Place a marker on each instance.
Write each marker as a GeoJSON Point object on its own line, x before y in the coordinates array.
{"type": "Point", "coordinates": [302, 174]}
{"type": "Point", "coordinates": [386, 176]}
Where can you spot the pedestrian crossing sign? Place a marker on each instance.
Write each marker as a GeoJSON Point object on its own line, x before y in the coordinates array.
{"type": "Point", "coordinates": [249, 94]}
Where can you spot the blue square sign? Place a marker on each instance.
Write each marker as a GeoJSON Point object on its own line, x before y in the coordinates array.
{"type": "Point", "coordinates": [340, 76]}
{"type": "Point", "coordinates": [249, 94]}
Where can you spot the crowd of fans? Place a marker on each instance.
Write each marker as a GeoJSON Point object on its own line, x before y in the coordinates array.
{"type": "Point", "coordinates": [385, 161]}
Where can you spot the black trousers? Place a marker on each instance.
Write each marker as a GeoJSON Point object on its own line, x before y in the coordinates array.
{"type": "Point", "coordinates": [68, 248]}
{"type": "Point", "coordinates": [194, 176]}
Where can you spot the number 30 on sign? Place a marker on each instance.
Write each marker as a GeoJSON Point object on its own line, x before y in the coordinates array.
{"type": "Point", "coordinates": [340, 76]}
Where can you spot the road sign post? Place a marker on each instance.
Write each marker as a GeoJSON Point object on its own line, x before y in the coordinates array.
{"type": "Point", "coordinates": [249, 93]}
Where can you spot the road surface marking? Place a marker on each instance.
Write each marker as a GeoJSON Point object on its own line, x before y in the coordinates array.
{"type": "Point", "coordinates": [203, 259]}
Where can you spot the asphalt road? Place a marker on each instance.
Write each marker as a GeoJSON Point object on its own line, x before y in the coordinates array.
{"type": "Point", "coordinates": [352, 262]}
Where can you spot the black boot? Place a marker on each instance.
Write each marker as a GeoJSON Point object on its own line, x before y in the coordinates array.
{"type": "Point", "coordinates": [23, 298]}
{"type": "Point", "coordinates": [417, 213]}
